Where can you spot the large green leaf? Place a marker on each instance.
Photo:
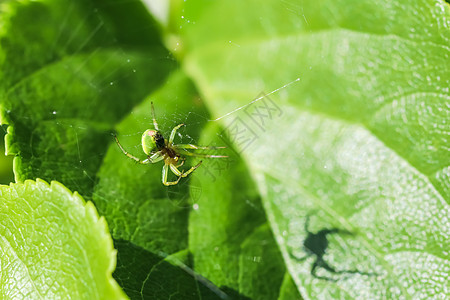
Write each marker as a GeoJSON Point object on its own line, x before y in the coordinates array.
{"type": "Point", "coordinates": [53, 245]}
{"type": "Point", "coordinates": [140, 210]}
{"type": "Point", "coordinates": [359, 143]}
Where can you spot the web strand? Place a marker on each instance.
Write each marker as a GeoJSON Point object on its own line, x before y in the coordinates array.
{"type": "Point", "coordinates": [256, 100]}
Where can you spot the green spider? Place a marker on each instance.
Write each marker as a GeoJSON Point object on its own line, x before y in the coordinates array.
{"type": "Point", "coordinates": [157, 148]}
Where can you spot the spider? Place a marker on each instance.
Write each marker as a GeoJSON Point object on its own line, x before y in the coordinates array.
{"type": "Point", "coordinates": [157, 148]}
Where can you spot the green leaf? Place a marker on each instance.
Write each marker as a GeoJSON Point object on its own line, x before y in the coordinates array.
{"type": "Point", "coordinates": [154, 221]}
{"type": "Point", "coordinates": [260, 255]}
{"type": "Point", "coordinates": [53, 245]}
{"type": "Point", "coordinates": [67, 77]}
{"type": "Point", "coordinates": [359, 143]}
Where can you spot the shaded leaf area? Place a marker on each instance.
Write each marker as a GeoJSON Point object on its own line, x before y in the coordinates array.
{"type": "Point", "coordinates": [48, 237]}
{"type": "Point", "coordinates": [230, 241]}
{"type": "Point", "coordinates": [261, 266]}
{"type": "Point", "coordinates": [70, 71]}
{"type": "Point", "coordinates": [288, 289]}
{"type": "Point", "coordinates": [144, 275]}
{"type": "Point", "coordinates": [359, 142]}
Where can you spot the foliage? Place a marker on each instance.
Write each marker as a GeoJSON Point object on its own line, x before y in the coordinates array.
{"type": "Point", "coordinates": [349, 129]}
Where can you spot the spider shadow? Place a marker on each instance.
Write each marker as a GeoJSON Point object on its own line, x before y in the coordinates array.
{"type": "Point", "coordinates": [316, 245]}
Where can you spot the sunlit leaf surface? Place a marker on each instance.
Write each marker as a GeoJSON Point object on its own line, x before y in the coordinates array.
{"type": "Point", "coordinates": [53, 245]}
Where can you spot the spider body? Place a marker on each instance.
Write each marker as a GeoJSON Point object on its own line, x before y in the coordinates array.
{"type": "Point", "coordinates": [153, 140]}
{"type": "Point", "coordinates": [157, 148]}
{"type": "Point", "coordinates": [170, 155]}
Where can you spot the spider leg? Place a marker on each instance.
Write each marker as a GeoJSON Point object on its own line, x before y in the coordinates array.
{"type": "Point", "coordinates": [192, 169]}
{"type": "Point", "coordinates": [334, 231]}
{"type": "Point", "coordinates": [187, 153]}
{"type": "Point", "coordinates": [181, 163]}
{"type": "Point", "coordinates": [195, 147]}
{"type": "Point", "coordinates": [175, 170]}
{"type": "Point", "coordinates": [154, 118]}
{"type": "Point", "coordinates": [143, 162]}
{"type": "Point", "coordinates": [323, 264]}
{"type": "Point", "coordinates": [174, 131]}
{"type": "Point", "coordinates": [165, 171]}
{"type": "Point", "coordinates": [184, 174]}
{"type": "Point", "coordinates": [155, 157]}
